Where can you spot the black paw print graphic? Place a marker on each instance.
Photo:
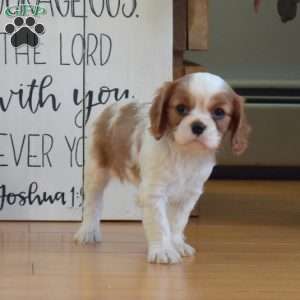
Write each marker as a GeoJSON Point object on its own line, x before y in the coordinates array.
{"type": "Point", "coordinates": [24, 32]}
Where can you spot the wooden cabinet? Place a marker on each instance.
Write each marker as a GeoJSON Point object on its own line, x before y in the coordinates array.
{"type": "Point", "coordinates": [190, 33]}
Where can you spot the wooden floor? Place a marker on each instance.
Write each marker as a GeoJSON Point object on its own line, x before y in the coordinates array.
{"type": "Point", "coordinates": [248, 242]}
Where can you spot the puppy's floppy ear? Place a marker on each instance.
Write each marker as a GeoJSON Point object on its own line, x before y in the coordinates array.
{"type": "Point", "coordinates": [159, 110]}
{"type": "Point", "coordinates": [239, 126]}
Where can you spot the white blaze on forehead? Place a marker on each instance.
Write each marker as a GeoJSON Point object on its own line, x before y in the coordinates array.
{"type": "Point", "coordinates": [205, 84]}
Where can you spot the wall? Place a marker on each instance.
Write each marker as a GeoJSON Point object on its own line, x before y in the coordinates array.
{"type": "Point", "coordinates": [245, 46]}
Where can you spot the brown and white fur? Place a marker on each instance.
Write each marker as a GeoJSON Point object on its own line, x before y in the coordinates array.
{"type": "Point", "coordinates": [166, 148]}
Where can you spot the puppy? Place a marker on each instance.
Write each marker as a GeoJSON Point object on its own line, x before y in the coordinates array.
{"type": "Point", "coordinates": [168, 149]}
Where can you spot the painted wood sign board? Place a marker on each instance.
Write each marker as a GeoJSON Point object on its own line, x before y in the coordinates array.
{"type": "Point", "coordinates": [128, 54]}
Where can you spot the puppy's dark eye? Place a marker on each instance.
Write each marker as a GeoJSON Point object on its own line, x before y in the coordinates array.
{"type": "Point", "coordinates": [182, 109]}
{"type": "Point", "coordinates": [218, 113]}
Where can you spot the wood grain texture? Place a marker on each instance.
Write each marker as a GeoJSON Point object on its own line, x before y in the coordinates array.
{"type": "Point", "coordinates": [247, 239]}
{"type": "Point", "coordinates": [197, 24]}
{"type": "Point", "coordinates": [178, 64]}
{"type": "Point", "coordinates": [190, 68]}
{"type": "Point", "coordinates": [180, 24]}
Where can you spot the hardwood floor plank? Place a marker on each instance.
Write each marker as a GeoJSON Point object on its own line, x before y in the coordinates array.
{"type": "Point", "coordinates": [247, 238]}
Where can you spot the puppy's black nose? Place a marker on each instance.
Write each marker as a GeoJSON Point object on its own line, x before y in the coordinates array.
{"type": "Point", "coordinates": [198, 128]}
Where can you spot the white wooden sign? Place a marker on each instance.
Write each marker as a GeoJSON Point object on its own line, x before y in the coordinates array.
{"type": "Point", "coordinates": [50, 57]}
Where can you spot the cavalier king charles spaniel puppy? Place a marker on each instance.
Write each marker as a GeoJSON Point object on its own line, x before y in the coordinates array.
{"type": "Point", "coordinates": [167, 148]}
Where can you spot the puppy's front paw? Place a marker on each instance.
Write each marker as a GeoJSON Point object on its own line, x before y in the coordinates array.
{"type": "Point", "coordinates": [160, 254]}
{"type": "Point", "coordinates": [88, 233]}
{"type": "Point", "coordinates": [184, 249]}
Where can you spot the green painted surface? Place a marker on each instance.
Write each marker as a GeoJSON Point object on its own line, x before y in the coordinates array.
{"type": "Point", "coordinates": [275, 137]}
{"type": "Point", "coordinates": [251, 48]}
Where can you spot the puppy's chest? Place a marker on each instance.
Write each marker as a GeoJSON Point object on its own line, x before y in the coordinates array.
{"type": "Point", "coordinates": [185, 178]}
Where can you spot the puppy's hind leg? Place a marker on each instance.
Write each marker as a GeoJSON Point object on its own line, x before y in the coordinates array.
{"type": "Point", "coordinates": [96, 180]}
